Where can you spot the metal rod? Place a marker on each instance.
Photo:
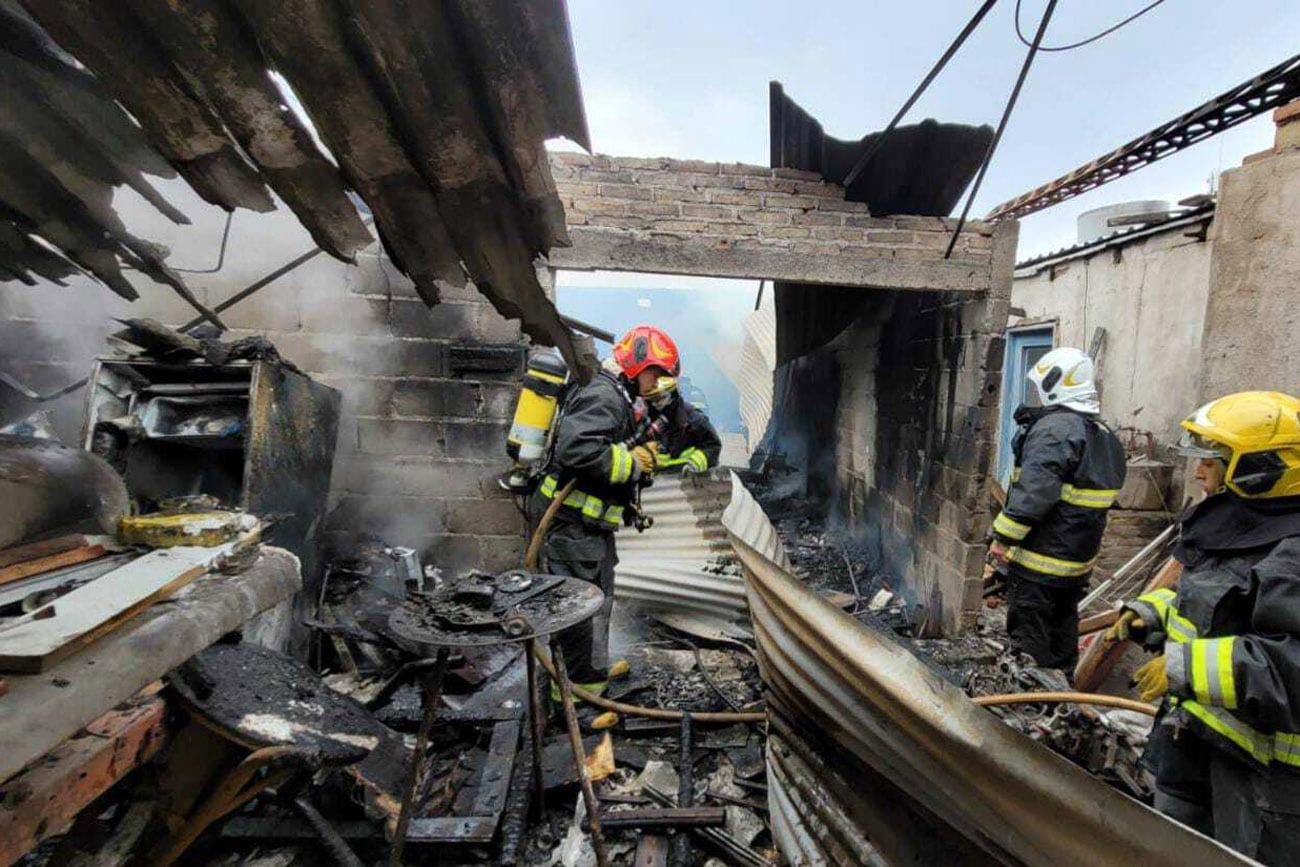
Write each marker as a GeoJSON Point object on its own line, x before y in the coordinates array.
{"type": "Point", "coordinates": [586, 328]}
{"type": "Point", "coordinates": [432, 695]}
{"type": "Point", "coordinates": [537, 722]}
{"type": "Point", "coordinates": [679, 855]}
{"type": "Point", "coordinates": [1002, 125]}
{"type": "Point", "coordinates": [916, 94]}
{"type": "Point", "coordinates": [579, 755]}
{"type": "Point", "coordinates": [330, 839]}
{"type": "Point", "coordinates": [253, 287]}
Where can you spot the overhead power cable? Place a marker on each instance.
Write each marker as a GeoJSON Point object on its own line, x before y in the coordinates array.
{"type": "Point", "coordinates": [1002, 124]}
{"type": "Point", "coordinates": [1091, 39]}
{"type": "Point", "coordinates": [916, 94]}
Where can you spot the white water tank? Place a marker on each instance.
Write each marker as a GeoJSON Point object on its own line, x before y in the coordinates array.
{"type": "Point", "coordinates": [1095, 224]}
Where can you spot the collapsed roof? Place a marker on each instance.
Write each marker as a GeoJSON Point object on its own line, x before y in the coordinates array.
{"type": "Point", "coordinates": [920, 170]}
{"type": "Point", "coordinates": [434, 114]}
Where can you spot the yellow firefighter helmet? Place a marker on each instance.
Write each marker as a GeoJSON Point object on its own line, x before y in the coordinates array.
{"type": "Point", "coordinates": [1257, 434]}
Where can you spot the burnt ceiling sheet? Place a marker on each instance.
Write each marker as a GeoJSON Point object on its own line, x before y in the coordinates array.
{"type": "Point", "coordinates": [922, 169]}
{"type": "Point", "coordinates": [435, 114]}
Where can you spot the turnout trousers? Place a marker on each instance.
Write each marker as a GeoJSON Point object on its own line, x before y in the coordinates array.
{"type": "Point", "coordinates": [1043, 621]}
{"type": "Point", "coordinates": [578, 551]}
{"type": "Point", "coordinates": [1246, 806]}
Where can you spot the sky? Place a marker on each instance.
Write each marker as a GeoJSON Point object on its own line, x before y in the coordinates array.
{"type": "Point", "coordinates": [690, 79]}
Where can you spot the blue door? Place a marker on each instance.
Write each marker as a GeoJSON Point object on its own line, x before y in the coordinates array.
{"type": "Point", "coordinates": [1024, 348]}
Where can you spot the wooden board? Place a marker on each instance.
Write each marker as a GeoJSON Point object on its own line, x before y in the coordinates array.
{"type": "Point", "coordinates": [49, 563]}
{"type": "Point", "coordinates": [48, 794]}
{"type": "Point", "coordinates": [36, 550]}
{"type": "Point", "coordinates": [43, 709]}
{"type": "Point", "coordinates": [1099, 657]}
{"type": "Point", "coordinates": [1098, 622]}
{"type": "Point", "coordinates": [97, 608]}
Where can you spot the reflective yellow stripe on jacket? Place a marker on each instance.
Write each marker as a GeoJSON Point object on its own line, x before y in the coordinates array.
{"type": "Point", "coordinates": [590, 506]}
{"type": "Point", "coordinates": [1005, 525]}
{"type": "Point", "coordinates": [620, 464]}
{"type": "Point", "coordinates": [1046, 565]}
{"type": "Point", "coordinates": [1089, 498]}
{"type": "Point", "coordinates": [1214, 687]}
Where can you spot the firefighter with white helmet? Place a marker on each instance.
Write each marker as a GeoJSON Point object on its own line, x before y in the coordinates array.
{"type": "Point", "coordinates": [1226, 747]}
{"type": "Point", "coordinates": [1068, 470]}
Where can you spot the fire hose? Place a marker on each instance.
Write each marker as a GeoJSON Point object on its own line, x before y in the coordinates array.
{"type": "Point", "coordinates": [530, 563]}
{"type": "Point", "coordinates": [1094, 698]}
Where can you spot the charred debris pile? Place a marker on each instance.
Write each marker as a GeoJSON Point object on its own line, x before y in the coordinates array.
{"type": "Point", "coordinates": [1106, 742]}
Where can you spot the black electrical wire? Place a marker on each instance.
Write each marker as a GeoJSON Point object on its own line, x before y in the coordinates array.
{"type": "Point", "coordinates": [1091, 39]}
{"type": "Point", "coordinates": [916, 94]}
{"type": "Point", "coordinates": [1002, 124]}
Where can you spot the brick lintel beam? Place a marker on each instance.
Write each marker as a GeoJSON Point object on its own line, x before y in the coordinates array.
{"type": "Point", "coordinates": [702, 256]}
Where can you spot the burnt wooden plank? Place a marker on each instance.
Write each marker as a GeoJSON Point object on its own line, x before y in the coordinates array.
{"type": "Point", "coordinates": [665, 817]}
{"type": "Point", "coordinates": [305, 40]}
{"type": "Point", "coordinates": [49, 562]}
{"type": "Point", "coordinates": [42, 798]}
{"type": "Point", "coordinates": [208, 41]}
{"type": "Point", "coordinates": [107, 39]}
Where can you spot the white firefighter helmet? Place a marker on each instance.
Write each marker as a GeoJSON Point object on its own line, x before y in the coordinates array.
{"type": "Point", "coordinates": [1064, 377]}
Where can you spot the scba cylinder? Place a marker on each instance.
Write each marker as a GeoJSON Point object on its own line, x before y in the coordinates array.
{"type": "Point", "coordinates": [539, 401]}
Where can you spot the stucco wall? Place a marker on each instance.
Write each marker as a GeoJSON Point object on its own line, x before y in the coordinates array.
{"type": "Point", "coordinates": [1150, 296]}
{"type": "Point", "coordinates": [1254, 285]}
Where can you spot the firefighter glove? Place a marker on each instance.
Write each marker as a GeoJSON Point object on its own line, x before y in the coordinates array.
{"type": "Point", "coordinates": [696, 461]}
{"type": "Point", "coordinates": [1151, 680]}
{"type": "Point", "coordinates": [647, 457]}
{"type": "Point", "coordinates": [1129, 627]}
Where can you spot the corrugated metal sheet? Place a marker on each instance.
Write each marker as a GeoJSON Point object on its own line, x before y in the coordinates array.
{"type": "Point", "coordinates": [436, 114]}
{"type": "Point", "coordinates": [678, 563]}
{"type": "Point", "coordinates": [922, 169]}
{"type": "Point", "coordinates": [757, 366]}
{"type": "Point", "coordinates": [913, 765]}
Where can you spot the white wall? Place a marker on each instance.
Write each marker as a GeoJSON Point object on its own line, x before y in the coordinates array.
{"type": "Point", "coordinates": [1152, 304]}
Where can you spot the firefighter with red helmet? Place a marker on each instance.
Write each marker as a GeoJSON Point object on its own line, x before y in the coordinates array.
{"type": "Point", "coordinates": [596, 446]}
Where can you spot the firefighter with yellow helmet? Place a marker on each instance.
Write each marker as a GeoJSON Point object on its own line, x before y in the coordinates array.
{"type": "Point", "coordinates": [1226, 747]}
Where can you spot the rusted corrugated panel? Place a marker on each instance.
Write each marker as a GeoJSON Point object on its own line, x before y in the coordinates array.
{"type": "Point", "coordinates": [917, 746]}
{"type": "Point", "coordinates": [677, 562]}
{"type": "Point", "coordinates": [437, 114]}
{"type": "Point", "coordinates": [922, 168]}
{"type": "Point", "coordinates": [209, 44]}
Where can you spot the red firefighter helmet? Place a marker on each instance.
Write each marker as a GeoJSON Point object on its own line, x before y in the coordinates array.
{"type": "Point", "coordinates": [646, 346]}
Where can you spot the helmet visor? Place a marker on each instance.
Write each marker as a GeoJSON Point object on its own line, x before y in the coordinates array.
{"type": "Point", "coordinates": [1193, 445]}
{"type": "Point", "coordinates": [663, 393]}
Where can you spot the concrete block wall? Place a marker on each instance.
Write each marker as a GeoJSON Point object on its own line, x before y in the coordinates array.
{"type": "Point", "coordinates": [427, 393]}
{"type": "Point", "coordinates": [1252, 311]}
{"type": "Point", "coordinates": [918, 378]}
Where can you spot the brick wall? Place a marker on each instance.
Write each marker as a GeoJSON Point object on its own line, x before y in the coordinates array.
{"type": "Point", "coordinates": [427, 394]}
{"type": "Point", "coordinates": [734, 220]}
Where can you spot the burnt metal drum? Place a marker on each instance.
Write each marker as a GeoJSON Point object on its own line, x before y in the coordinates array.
{"type": "Point", "coordinates": [437, 620]}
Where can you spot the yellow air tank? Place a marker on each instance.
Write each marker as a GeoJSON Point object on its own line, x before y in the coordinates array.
{"type": "Point", "coordinates": [539, 402]}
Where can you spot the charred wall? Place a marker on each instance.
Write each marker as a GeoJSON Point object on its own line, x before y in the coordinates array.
{"type": "Point", "coordinates": [908, 395]}
{"type": "Point", "coordinates": [427, 394]}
